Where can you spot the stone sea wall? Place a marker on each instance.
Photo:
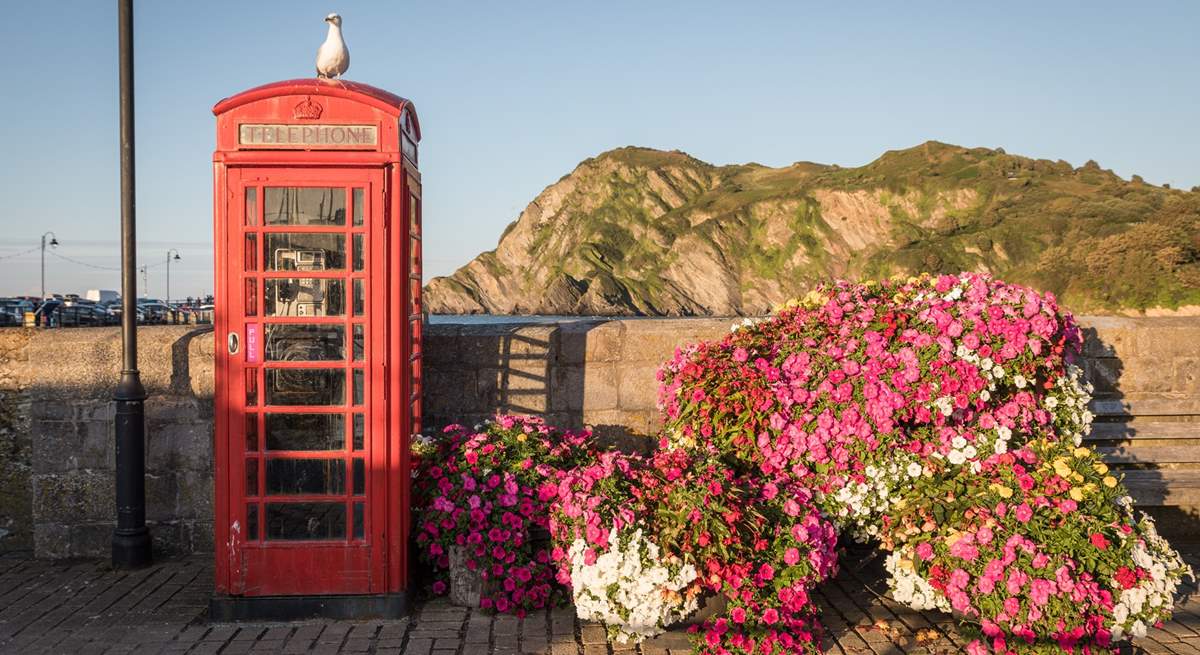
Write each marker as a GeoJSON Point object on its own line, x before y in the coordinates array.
{"type": "Point", "coordinates": [56, 434]}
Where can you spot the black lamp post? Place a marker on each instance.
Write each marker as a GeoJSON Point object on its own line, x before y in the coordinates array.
{"type": "Point", "coordinates": [53, 244]}
{"type": "Point", "coordinates": [131, 539]}
{"type": "Point", "coordinates": [172, 250]}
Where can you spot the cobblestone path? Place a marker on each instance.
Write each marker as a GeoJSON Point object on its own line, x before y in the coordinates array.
{"type": "Point", "coordinates": [85, 608]}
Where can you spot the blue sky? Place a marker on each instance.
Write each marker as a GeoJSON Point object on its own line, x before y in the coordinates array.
{"type": "Point", "coordinates": [512, 95]}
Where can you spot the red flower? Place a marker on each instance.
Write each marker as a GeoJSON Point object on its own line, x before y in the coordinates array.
{"type": "Point", "coordinates": [1126, 578]}
{"type": "Point", "coordinates": [1099, 541]}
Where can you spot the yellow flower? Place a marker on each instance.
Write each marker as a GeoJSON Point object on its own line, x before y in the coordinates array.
{"type": "Point", "coordinates": [1082, 452]}
{"type": "Point", "coordinates": [1100, 467]}
{"type": "Point", "coordinates": [1110, 481]}
{"type": "Point", "coordinates": [1061, 468]}
{"type": "Point", "coordinates": [1077, 477]}
{"type": "Point", "coordinates": [1076, 494]}
{"type": "Point", "coordinates": [1002, 491]}
{"type": "Point", "coordinates": [522, 437]}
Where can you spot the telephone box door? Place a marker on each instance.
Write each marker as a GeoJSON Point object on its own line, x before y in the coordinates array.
{"type": "Point", "coordinates": [304, 396]}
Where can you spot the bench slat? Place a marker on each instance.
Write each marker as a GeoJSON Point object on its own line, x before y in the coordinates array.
{"type": "Point", "coordinates": [1164, 487]}
{"type": "Point", "coordinates": [1146, 405]}
{"type": "Point", "coordinates": [1135, 454]}
{"type": "Point", "coordinates": [1143, 430]}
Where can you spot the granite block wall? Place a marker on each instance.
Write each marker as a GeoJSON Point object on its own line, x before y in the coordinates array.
{"type": "Point", "coordinates": [56, 434]}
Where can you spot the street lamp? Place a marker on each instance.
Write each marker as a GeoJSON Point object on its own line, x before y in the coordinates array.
{"type": "Point", "coordinates": [53, 244]}
{"type": "Point", "coordinates": [131, 538]}
{"type": "Point", "coordinates": [172, 250]}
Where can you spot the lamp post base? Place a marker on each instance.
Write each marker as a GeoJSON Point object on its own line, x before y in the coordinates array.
{"type": "Point", "coordinates": [131, 550]}
{"type": "Point", "coordinates": [131, 544]}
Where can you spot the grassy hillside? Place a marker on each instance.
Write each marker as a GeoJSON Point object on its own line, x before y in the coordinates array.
{"type": "Point", "coordinates": [640, 231]}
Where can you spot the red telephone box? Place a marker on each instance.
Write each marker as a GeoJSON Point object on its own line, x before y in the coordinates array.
{"type": "Point", "coordinates": [317, 219]}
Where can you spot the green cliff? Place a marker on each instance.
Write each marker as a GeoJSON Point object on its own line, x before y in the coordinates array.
{"type": "Point", "coordinates": [637, 231]}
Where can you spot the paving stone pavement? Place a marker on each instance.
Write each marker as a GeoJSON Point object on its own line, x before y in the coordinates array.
{"type": "Point", "coordinates": [86, 608]}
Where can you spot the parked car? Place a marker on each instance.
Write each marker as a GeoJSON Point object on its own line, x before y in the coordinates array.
{"type": "Point", "coordinates": [114, 308]}
{"type": "Point", "coordinates": [154, 312]}
{"type": "Point", "coordinates": [104, 315]}
{"type": "Point", "coordinates": [12, 311]}
{"type": "Point", "coordinates": [74, 316]}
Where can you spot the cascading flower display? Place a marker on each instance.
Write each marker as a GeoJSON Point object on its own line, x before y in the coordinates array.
{"type": "Point", "coordinates": [941, 418]}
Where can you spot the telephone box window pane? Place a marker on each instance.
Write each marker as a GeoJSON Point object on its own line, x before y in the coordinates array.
{"type": "Point", "coordinates": [359, 297]}
{"type": "Point", "coordinates": [415, 253]}
{"type": "Point", "coordinates": [360, 475]}
{"type": "Point", "coordinates": [252, 477]}
{"type": "Point", "coordinates": [251, 433]}
{"type": "Point", "coordinates": [251, 252]}
{"type": "Point", "coordinates": [358, 520]}
{"type": "Point", "coordinates": [251, 387]}
{"type": "Point", "coordinates": [251, 297]}
{"type": "Point", "coordinates": [305, 343]}
{"type": "Point", "coordinates": [358, 342]}
{"type": "Point", "coordinates": [414, 218]}
{"type": "Point", "coordinates": [306, 476]}
{"type": "Point", "coordinates": [358, 206]}
{"type": "Point", "coordinates": [298, 251]}
{"type": "Point", "coordinates": [305, 297]}
{"type": "Point", "coordinates": [359, 255]}
{"type": "Point", "coordinates": [251, 206]}
{"type": "Point", "coordinates": [358, 386]}
{"type": "Point", "coordinates": [252, 522]}
{"type": "Point", "coordinates": [306, 431]}
{"type": "Point", "coordinates": [359, 431]}
{"type": "Point", "coordinates": [304, 206]}
{"type": "Point", "coordinates": [295, 521]}
{"type": "Point", "coordinates": [306, 386]}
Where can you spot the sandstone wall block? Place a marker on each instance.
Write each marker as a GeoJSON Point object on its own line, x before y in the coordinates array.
{"type": "Point", "coordinates": [601, 387]}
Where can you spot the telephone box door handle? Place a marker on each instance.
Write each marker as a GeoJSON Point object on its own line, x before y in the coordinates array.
{"type": "Point", "coordinates": [233, 343]}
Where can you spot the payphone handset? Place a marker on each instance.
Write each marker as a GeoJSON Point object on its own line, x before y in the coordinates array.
{"type": "Point", "coordinates": [301, 296]}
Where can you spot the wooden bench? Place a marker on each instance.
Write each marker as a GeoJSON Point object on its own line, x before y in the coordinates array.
{"type": "Point", "coordinates": [1154, 441]}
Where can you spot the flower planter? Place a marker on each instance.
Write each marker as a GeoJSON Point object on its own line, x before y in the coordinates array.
{"type": "Point", "coordinates": [467, 585]}
{"type": "Point", "coordinates": [711, 607]}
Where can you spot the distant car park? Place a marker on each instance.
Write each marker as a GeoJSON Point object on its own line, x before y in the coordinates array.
{"type": "Point", "coordinates": [71, 310]}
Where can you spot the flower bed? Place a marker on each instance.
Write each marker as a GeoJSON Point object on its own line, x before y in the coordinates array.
{"type": "Point", "coordinates": [938, 417]}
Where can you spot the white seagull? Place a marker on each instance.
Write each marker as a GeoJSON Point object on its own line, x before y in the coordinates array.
{"type": "Point", "coordinates": [333, 57]}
